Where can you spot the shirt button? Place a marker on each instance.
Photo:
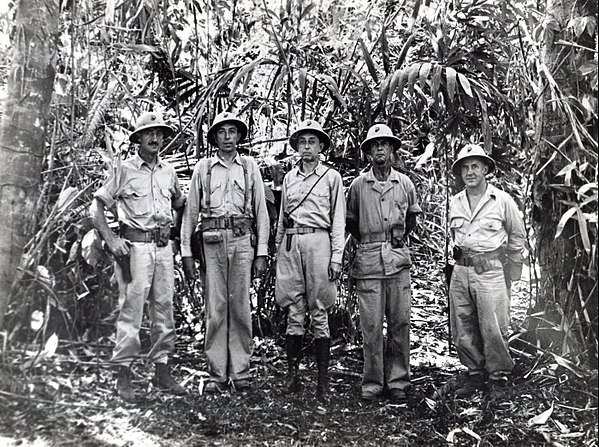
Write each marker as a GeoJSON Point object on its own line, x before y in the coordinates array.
{"type": "Point", "coordinates": [385, 219]}
{"type": "Point", "coordinates": [382, 200]}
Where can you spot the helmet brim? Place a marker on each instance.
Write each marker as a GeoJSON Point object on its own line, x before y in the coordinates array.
{"type": "Point", "coordinates": [168, 131]}
{"type": "Point", "coordinates": [455, 167]}
{"type": "Point", "coordinates": [365, 146]}
{"type": "Point", "coordinates": [242, 128]}
{"type": "Point", "coordinates": [322, 137]}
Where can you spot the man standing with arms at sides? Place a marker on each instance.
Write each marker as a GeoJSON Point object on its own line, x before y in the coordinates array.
{"type": "Point", "coordinates": [381, 212]}
{"type": "Point", "coordinates": [487, 232]}
{"type": "Point", "coordinates": [310, 240]}
{"type": "Point", "coordinates": [144, 190]}
{"type": "Point", "coordinates": [226, 203]}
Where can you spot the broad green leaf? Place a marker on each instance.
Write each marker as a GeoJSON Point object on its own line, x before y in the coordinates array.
{"type": "Point", "coordinates": [425, 69]}
{"type": "Point", "coordinates": [331, 85]}
{"type": "Point", "coordinates": [562, 222]}
{"type": "Point", "coordinates": [403, 79]}
{"type": "Point", "coordinates": [385, 51]}
{"type": "Point", "coordinates": [465, 84]}
{"type": "Point", "coordinates": [66, 197]}
{"type": "Point", "coordinates": [584, 231]}
{"type": "Point", "coordinates": [369, 61]}
{"type": "Point", "coordinates": [413, 72]}
{"type": "Point", "coordinates": [437, 73]}
{"type": "Point", "coordinates": [384, 90]}
{"type": "Point", "coordinates": [450, 77]}
{"type": "Point", "coordinates": [584, 188]}
{"type": "Point", "coordinates": [542, 418]}
{"type": "Point", "coordinates": [393, 83]}
{"type": "Point", "coordinates": [404, 51]}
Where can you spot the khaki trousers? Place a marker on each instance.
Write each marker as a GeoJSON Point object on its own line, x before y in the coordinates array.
{"type": "Point", "coordinates": [480, 318]}
{"type": "Point", "coordinates": [228, 315]}
{"type": "Point", "coordinates": [153, 281]}
{"type": "Point", "coordinates": [385, 361]}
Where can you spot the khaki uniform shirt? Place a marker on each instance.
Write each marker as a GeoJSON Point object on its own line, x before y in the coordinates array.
{"type": "Point", "coordinates": [144, 196]}
{"type": "Point", "coordinates": [323, 208]}
{"type": "Point", "coordinates": [377, 208]}
{"type": "Point", "coordinates": [227, 198]}
{"type": "Point", "coordinates": [496, 222]}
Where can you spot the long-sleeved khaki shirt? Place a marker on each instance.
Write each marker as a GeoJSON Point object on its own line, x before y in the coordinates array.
{"type": "Point", "coordinates": [323, 208]}
{"type": "Point", "coordinates": [496, 222]}
{"type": "Point", "coordinates": [227, 198]}
{"type": "Point", "coordinates": [144, 196]}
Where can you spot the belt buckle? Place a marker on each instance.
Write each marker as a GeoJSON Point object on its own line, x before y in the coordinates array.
{"type": "Point", "coordinates": [468, 261]}
{"type": "Point", "coordinates": [155, 235]}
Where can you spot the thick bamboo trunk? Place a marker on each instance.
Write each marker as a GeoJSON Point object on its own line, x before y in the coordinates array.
{"type": "Point", "coordinates": [23, 129]}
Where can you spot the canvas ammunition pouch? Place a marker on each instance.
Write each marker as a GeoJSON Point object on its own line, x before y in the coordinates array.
{"type": "Point", "coordinates": [159, 235]}
{"type": "Point", "coordinates": [480, 261]}
{"type": "Point", "coordinates": [395, 235]}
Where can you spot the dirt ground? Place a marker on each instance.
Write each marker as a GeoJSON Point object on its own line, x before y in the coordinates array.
{"type": "Point", "coordinates": [69, 400]}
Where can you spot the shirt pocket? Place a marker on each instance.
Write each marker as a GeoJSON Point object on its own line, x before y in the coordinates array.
{"type": "Point", "coordinates": [136, 199]}
{"type": "Point", "coordinates": [458, 227]}
{"type": "Point", "coordinates": [490, 227]}
{"type": "Point", "coordinates": [165, 199]}
{"type": "Point", "coordinates": [238, 193]}
{"type": "Point", "coordinates": [217, 193]}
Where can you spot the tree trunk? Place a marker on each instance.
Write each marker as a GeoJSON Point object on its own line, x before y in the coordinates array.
{"type": "Point", "coordinates": [565, 267]}
{"type": "Point", "coordinates": [23, 129]}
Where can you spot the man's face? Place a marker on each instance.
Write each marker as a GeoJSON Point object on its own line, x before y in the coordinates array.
{"type": "Point", "coordinates": [380, 151]}
{"type": "Point", "coordinates": [473, 172]}
{"type": "Point", "coordinates": [309, 146]}
{"type": "Point", "coordinates": [227, 137]}
{"type": "Point", "coordinates": [151, 141]}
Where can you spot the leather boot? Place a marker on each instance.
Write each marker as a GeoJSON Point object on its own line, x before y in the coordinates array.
{"type": "Point", "coordinates": [124, 386]}
{"type": "Point", "coordinates": [294, 355]}
{"type": "Point", "coordinates": [164, 381]}
{"type": "Point", "coordinates": [323, 348]}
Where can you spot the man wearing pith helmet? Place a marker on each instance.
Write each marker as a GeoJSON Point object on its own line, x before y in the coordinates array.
{"type": "Point", "coordinates": [145, 191]}
{"type": "Point", "coordinates": [488, 235]}
{"type": "Point", "coordinates": [381, 211]}
{"type": "Point", "coordinates": [310, 241]}
{"type": "Point", "coordinates": [226, 204]}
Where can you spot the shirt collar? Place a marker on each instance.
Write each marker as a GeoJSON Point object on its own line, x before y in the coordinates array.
{"type": "Point", "coordinates": [217, 159]}
{"type": "Point", "coordinates": [139, 162]}
{"type": "Point", "coordinates": [393, 176]}
{"type": "Point", "coordinates": [318, 170]}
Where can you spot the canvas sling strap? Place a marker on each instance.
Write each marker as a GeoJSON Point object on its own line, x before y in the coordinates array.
{"type": "Point", "coordinates": [288, 222]}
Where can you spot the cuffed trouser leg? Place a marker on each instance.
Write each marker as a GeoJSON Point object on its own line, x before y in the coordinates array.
{"type": "Point", "coordinates": [480, 319]}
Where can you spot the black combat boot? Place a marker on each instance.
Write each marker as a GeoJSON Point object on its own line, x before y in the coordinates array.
{"type": "Point", "coordinates": [124, 386]}
{"type": "Point", "coordinates": [164, 381]}
{"type": "Point", "coordinates": [294, 355]}
{"type": "Point", "coordinates": [322, 347]}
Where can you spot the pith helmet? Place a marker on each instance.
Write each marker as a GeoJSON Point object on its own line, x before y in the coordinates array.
{"type": "Point", "coordinates": [310, 126]}
{"type": "Point", "coordinates": [471, 151]}
{"type": "Point", "coordinates": [149, 120]}
{"type": "Point", "coordinates": [227, 117]}
{"type": "Point", "coordinates": [379, 131]}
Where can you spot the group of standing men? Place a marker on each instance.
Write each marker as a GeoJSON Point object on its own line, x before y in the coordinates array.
{"type": "Point", "coordinates": [226, 215]}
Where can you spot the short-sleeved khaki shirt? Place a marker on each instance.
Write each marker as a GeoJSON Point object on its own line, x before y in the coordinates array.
{"type": "Point", "coordinates": [144, 197]}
